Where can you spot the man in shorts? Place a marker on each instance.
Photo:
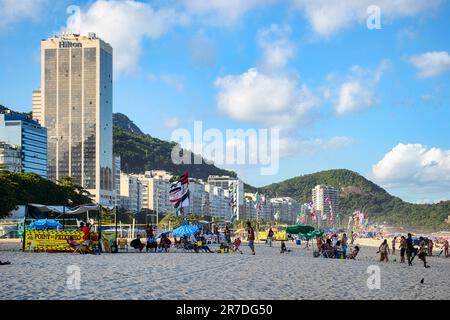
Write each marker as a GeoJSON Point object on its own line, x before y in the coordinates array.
{"type": "Point", "coordinates": [251, 237]}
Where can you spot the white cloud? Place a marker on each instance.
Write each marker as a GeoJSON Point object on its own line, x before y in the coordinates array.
{"type": "Point", "coordinates": [174, 81]}
{"type": "Point", "coordinates": [329, 17]}
{"type": "Point", "coordinates": [172, 123]}
{"type": "Point", "coordinates": [171, 80]}
{"type": "Point", "coordinates": [274, 100]}
{"type": "Point", "coordinates": [357, 92]}
{"type": "Point", "coordinates": [13, 11]}
{"type": "Point", "coordinates": [292, 146]}
{"type": "Point", "coordinates": [431, 64]}
{"type": "Point", "coordinates": [222, 11]}
{"type": "Point", "coordinates": [414, 165]}
{"type": "Point", "coordinates": [276, 45]}
{"type": "Point", "coordinates": [125, 24]}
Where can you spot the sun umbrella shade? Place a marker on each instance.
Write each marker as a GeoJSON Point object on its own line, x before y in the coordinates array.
{"type": "Point", "coordinates": [186, 230]}
{"type": "Point", "coordinates": [297, 229]}
{"type": "Point", "coordinates": [45, 224]}
{"type": "Point", "coordinates": [311, 235]}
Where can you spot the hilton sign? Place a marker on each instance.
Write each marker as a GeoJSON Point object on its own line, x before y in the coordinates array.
{"type": "Point", "coordinates": [67, 44]}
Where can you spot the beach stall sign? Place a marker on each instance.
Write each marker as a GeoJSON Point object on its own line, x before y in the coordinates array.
{"type": "Point", "coordinates": [43, 240]}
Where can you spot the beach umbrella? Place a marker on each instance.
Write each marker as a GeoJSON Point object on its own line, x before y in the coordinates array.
{"type": "Point", "coordinates": [45, 224]}
{"type": "Point", "coordinates": [297, 229]}
{"type": "Point", "coordinates": [186, 230]}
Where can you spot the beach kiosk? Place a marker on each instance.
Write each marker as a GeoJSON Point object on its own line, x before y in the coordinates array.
{"type": "Point", "coordinates": [46, 227]}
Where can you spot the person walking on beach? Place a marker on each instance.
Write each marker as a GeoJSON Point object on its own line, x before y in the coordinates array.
{"type": "Point", "coordinates": [393, 245]}
{"type": "Point", "coordinates": [270, 236]}
{"type": "Point", "coordinates": [423, 248]}
{"type": "Point", "coordinates": [384, 251]}
{"type": "Point", "coordinates": [410, 250]}
{"type": "Point", "coordinates": [446, 248]}
{"type": "Point", "coordinates": [430, 247]}
{"type": "Point", "coordinates": [352, 238]}
{"type": "Point", "coordinates": [344, 241]}
{"type": "Point", "coordinates": [251, 237]}
{"type": "Point", "coordinates": [402, 249]}
{"type": "Point", "coordinates": [227, 234]}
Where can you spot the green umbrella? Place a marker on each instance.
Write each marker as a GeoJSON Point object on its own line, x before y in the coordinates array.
{"type": "Point", "coordinates": [299, 229]}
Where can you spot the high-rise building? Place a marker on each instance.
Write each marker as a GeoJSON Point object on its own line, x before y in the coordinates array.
{"type": "Point", "coordinates": [36, 104]}
{"type": "Point", "coordinates": [130, 192]}
{"type": "Point", "coordinates": [76, 107]}
{"type": "Point", "coordinates": [26, 134]}
{"type": "Point", "coordinates": [324, 198]}
{"type": "Point", "coordinates": [155, 191]}
{"type": "Point", "coordinates": [10, 157]}
{"type": "Point", "coordinates": [233, 185]}
{"type": "Point", "coordinates": [116, 180]}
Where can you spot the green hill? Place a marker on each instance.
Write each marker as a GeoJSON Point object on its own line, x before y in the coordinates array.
{"type": "Point", "coordinates": [358, 193]}
{"type": "Point", "coordinates": [140, 152]}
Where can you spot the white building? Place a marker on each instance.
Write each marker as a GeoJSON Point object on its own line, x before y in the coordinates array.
{"type": "Point", "coordinates": [155, 191]}
{"type": "Point", "coordinates": [75, 105]}
{"type": "Point", "coordinates": [218, 202]}
{"type": "Point", "coordinates": [287, 208]}
{"type": "Point", "coordinates": [320, 194]}
{"type": "Point", "coordinates": [229, 184]}
{"type": "Point", "coordinates": [130, 192]}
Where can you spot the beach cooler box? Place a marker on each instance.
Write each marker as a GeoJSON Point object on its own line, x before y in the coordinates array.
{"type": "Point", "coordinates": [298, 242]}
{"type": "Point", "coordinates": [281, 236]}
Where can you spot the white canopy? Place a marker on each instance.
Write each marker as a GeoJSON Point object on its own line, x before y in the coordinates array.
{"type": "Point", "coordinates": [66, 210]}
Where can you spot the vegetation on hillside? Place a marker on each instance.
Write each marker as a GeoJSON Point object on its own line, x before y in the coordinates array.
{"type": "Point", "coordinates": [141, 152]}
{"type": "Point", "coordinates": [358, 193]}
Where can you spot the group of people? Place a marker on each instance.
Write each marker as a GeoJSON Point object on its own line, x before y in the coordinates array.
{"type": "Point", "coordinates": [407, 248]}
{"type": "Point", "coordinates": [335, 247]}
{"type": "Point", "coordinates": [195, 242]}
{"type": "Point", "coordinates": [86, 246]}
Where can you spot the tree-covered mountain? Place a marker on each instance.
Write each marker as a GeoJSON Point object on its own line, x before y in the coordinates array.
{"type": "Point", "coordinates": [358, 193]}
{"type": "Point", "coordinates": [140, 152]}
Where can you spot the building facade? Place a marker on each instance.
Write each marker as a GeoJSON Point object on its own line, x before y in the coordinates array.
{"type": "Point", "coordinates": [233, 185]}
{"type": "Point", "coordinates": [130, 192]}
{"type": "Point", "coordinates": [155, 192]}
{"type": "Point", "coordinates": [76, 107]}
{"type": "Point", "coordinates": [116, 180]}
{"type": "Point", "coordinates": [324, 198]}
{"type": "Point", "coordinates": [10, 157]}
{"type": "Point", "coordinates": [29, 137]}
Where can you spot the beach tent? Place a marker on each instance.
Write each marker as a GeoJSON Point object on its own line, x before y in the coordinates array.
{"type": "Point", "coordinates": [297, 229]}
{"type": "Point", "coordinates": [186, 230]}
{"type": "Point", "coordinates": [43, 224]}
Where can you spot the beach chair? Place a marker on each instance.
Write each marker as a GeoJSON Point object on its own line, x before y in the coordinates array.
{"type": "Point", "coordinates": [122, 244]}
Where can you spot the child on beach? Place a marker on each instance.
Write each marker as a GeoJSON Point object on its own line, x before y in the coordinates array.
{"type": "Point", "coordinates": [393, 245]}
{"type": "Point", "coordinates": [384, 251]}
{"type": "Point", "coordinates": [283, 247]}
{"type": "Point", "coordinates": [251, 237]}
{"type": "Point", "coordinates": [354, 253]}
{"type": "Point", "coordinates": [237, 244]}
{"type": "Point", "coordinates": [423, 248]}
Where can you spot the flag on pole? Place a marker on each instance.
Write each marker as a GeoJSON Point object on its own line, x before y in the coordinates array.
{"type": "Point", "coordinates": [179, 193]}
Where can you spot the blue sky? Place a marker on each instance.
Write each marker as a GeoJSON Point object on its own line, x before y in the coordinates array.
{"type": "Point", "coordinates": [373, 101]}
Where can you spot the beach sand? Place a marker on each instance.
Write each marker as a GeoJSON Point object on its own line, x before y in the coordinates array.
{"type": "Point", "coordinates": [177, 275]}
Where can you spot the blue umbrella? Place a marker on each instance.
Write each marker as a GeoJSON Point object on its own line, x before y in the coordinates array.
{"type": "Point", "coordinates": [45, 224]}
{"type": "Point", "coordinates": [186, 230]}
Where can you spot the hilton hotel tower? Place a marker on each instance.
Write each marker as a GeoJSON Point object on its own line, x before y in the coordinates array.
{"type": "Point", "coordinates": [75, 105]}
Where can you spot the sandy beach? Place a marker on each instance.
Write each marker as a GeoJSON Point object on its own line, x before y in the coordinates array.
{"type": "Point", "coordinates": [177, 275]}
